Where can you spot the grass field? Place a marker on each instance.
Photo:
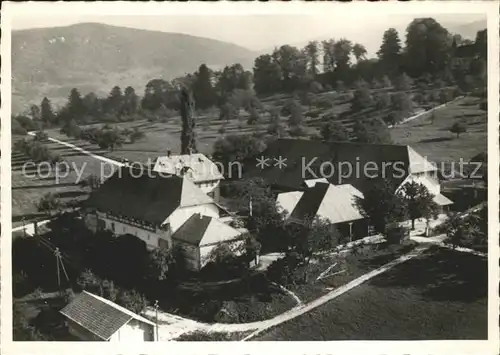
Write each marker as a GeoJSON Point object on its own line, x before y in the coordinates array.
{"type": "Point", "coordinates": [28, 186]}
{"type": "Point", "coordinates": [437, 143]}
{"type": "Point", "coordinates": [440, 295]}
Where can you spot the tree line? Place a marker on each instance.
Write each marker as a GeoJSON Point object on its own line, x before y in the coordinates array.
{"type": "Point", "coordinates": [429, 54]}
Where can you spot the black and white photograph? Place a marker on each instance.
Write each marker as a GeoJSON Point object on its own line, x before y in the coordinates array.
{"type": "Point", "coordinates": [305, 175]}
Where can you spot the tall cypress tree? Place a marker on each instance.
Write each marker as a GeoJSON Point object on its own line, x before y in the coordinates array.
{"type": "Point", "coordinates": [188, 139]}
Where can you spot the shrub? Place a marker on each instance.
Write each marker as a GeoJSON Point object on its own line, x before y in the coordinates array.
{"type": "Point", "coordinates": [313, 113]}
{"type": "Point", "coordinates": [324, 102]}
{"type": "Point", "coordinates": [17, 129]}
{"type": "Point", "coordinates": [297, 131]}
{"type": "Point", "coordinates": [458, 128]}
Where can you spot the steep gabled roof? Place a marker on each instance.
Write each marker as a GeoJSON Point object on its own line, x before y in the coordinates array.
{"type": "Point", "coordinates": [98, 315]}
{"type": "Point", "coordinates": [200, 230]}
{"type": "Point", "coordinates": [333, 202]}
{"type": "Point", "coordinates": [391, 161]}
{"type": "Point", "coordinates": [196, 167]}
{"type": "Point", "coordinates": [145, 195]}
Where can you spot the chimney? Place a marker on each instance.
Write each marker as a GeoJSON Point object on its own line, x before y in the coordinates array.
{"type": "Point", "coordinates": [169, 153]}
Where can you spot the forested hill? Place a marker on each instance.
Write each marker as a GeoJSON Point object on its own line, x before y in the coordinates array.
{"type": "Point", "coordinates": [95, 57]}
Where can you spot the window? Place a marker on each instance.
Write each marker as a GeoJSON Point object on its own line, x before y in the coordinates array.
{"type": "Point", "coordinates": [112, 226]}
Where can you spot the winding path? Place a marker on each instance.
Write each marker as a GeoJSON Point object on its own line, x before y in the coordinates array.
{"type": "Point", "coordinates": [172, 326]}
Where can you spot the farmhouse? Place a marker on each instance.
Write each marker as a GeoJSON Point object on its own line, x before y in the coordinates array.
{"type": "Point", "coordinates": [334, 203]}
{"type": "Point", "coordinates": [147, 205]}
{"type": "Point", "coordinates": [199, 169]}
{"type": "Point", "coordinates": [93, 318]}
{"type": "Point", "coordinates": [340, 163]}
{"type": "Point", "coordinates": [200, 235]}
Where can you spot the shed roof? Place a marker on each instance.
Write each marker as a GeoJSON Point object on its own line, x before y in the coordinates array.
{"type": "Point", "coordinates": [99, 315]}
{"type": "Point", "coordinates": [333, 202]}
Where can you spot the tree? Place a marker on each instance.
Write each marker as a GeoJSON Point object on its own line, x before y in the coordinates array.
{"type": "Point", "coordinates": [373, 131]}
{"type": "Point", "coordinates": [312, 52]}
{"type": "Point", "coordinates": [381, 205]}
{"type": "Point", "coordinates": [35, 113]}
{"type": "Point", "coordinates": [389, 53]}
{"type": "Point", "coordinates": [402, 102]}
{"type": "Point", "coordinates": [236, 148]}
{"type": "Point", "coordinates": [458, 128]}
{"type": "Point", "coordinates": [130, 101]}
{"type": "Point", "coordinates": [188, 139]}
{"type": "Point", "coordinates": [386, 82]}
{"type": "Point", "coordinates": [110, 139]}
{"type": "Point", "coordinates": [46, 114]}
{"type": "Point", "coordinates": [254, 116]}
{"type": "Point", "coordinates": [267, 75]}
{"type": "Point", "coordinates": [114, 102]}
{"type": "Point", "coordinates": [403, 82]}
{"type": "Point", "coordinates": [311, 237]}
{"type": "Point", "coordinates": [132, 300]}
{"type": "Point", "coordinates": [275, 127]}
{"type": "Point", "coordinates": [362, 99]}
{"type": "Point", "coordinates": [203, 92]}
{"type": "Point", "coordinates": [419, 202]}
{"type": "Point", "coordinates": [228, 112]}
{"type": "Point", "coordinates": [74, 106]}
{"type": "Point", "coordinates": [342, 50]}
{"type": "Point", "coordinates": [428, 47]}
{"type": "Point", "coordinates": [161, 261]}
{"type": "Point", "coordinates": [136, 135]}
{"type": "Point", "coordinates": [91, 181]}
{"type": "Point", "coordinates": [461, 231]}
{"type": "Point", "coordinates": [329, 60]}
{"type": "Point", "coordinates": [334, 131]}
{"type": "Point", "coordinates": [359, 52]}
{"type": "Point", "coordinates": [48, 203]}
{"type": "Point", "coordinates": [293, 64]}
{"type": "Point", "coordinates": [22, 330]}
{"type": "Point", "coordinates": [231, 78]}
{"type": "Point", "coordinates": [383, 101]}
{"type": "Point", "coordinates": [296, 118]}
{"type": "Point", "coordinates": [481, 43]}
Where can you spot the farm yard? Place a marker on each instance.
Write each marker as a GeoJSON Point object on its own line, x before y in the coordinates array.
{"type": "Point", "coordinates": [430, 139]}
{"type": "Point", "coordinates": [440, 295]}
{"type": "Point", "coordinates": [269, 255]}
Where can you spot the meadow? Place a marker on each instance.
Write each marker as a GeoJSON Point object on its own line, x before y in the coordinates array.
{"type": "Point", "coordinates": [440, 295]}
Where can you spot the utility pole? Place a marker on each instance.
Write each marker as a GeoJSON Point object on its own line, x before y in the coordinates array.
{"type": "Point", "coordinates": [59, 261]}
{"type": "Point", "coordinates": [156, 310]}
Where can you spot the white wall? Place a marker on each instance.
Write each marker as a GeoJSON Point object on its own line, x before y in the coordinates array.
{"type": "Point", "coordinates": [207, 186]}
{"type": "Point", "coordinates": [134, 331]}
{"type": "Point", "coordinates": [151, 238]}
{"type": "Point", "coordinates": [180, 215]}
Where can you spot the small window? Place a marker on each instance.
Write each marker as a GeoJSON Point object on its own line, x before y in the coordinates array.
{"type": "Point", "coordinates": [112, 226]}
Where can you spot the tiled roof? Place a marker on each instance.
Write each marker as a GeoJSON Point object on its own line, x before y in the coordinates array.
{"type": "Point", "coordinates": [149, 197]}
{"type": "Point", "coordinates": [202, 230]}
{"type": "Point", "coordinates": [196, 167]}
{"type": "Point", "coordinates": [333, 202]}
{"type": "Point", "coordinates": [99, 315]}
{"type": "Point", "coordinates": [360, 157]}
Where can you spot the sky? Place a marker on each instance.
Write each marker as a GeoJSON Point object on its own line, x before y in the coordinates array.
{"type": "Point", "coordinates": [257, 32]}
